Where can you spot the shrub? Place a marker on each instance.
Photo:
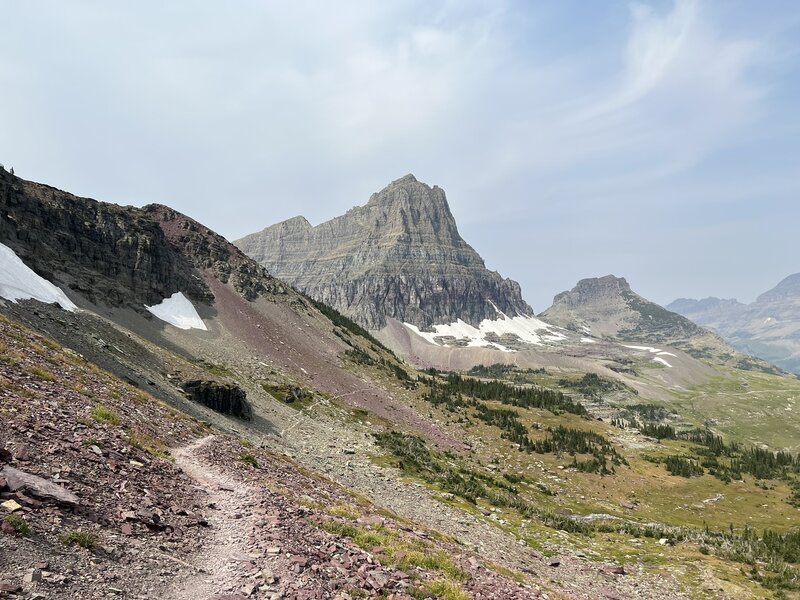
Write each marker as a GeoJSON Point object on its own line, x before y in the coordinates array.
{"type": "Point", "coordinates": [103, 414]}
{"type": "Point", "coordinates": [79, 538]}
{"type": "Point", "coordinates": [248, 459]}
{"type": "Point", "coordinates": [19, 524]}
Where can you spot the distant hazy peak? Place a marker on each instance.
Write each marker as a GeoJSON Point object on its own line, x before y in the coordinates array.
{"type": "Point", "coordinates": [787, 288]}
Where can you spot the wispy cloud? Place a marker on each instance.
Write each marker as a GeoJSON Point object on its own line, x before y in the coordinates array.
{"type": "Point", "coordinates": [552, 118]}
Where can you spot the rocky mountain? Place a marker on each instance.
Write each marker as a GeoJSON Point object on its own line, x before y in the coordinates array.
{"type": "Point", "coordinates": [768, 328]}
{"type": "Point", "coordinates": [399, 256]}
{"type": "Point", "coordinates": [608, 307]}
{"type": "Point", "coordinates": [119, 256]}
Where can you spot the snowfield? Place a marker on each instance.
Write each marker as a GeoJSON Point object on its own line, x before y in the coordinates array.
{"type": "Point", "coordinates": [19, 282]}
{"type": "Point", "coordinates": [652, 350]}
{"type": "Point", "coordinates": [527, 329]}
{"type": "Point", "coordinates": [177, 310]}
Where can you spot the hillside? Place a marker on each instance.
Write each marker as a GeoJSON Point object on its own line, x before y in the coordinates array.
{"type": "Point", "coordinates": [222, 435]}
{"type": "Point", "coordinates": [768, 328]}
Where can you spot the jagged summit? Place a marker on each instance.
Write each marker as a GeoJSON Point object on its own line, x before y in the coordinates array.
{"type": "Point", "coordinates": [398, 256]}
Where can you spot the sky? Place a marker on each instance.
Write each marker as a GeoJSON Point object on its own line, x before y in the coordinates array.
{"type": "Point", "coordinates": [659, 141]}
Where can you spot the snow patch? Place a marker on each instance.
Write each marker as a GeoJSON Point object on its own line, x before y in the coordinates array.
{"type": "Point", "coordinates": [645, 348]}
{"type": "Point", "coordinates": [177, 310]}
{"type": "Point", "coordinates": [527, 329]}
{"type": "Point", "coordinates": [588, 341]}
{"type": "Point", "coordinates": [19, 282]}
{"type": "Point", "coordinates": [662, 353]}
{"type": "Point", "coordinates": [662, 361]}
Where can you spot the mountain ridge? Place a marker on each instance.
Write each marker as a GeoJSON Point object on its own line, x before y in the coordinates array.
{"type": "Point", "coordinates": [768, 327]}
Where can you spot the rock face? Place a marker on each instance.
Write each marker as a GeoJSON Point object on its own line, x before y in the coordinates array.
{"type": "Point", "coordinates": [768, 328]}
{"type": "Point", "coordinates": [607, 307]}
{"type": "Point", "coordinates": [118, 255]}
{"type": "Point", "coordinates": [399, 256]}
{"type": "Point", "coordinates": [221, 397]}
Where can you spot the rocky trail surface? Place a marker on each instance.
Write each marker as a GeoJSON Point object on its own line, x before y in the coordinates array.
{"type": "Point", "coordinates": [120, 496]}
{"type": "Point", "coordinates": [264, 543]}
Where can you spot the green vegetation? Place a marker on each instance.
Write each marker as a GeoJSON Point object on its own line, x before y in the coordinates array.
{"type": "Point", "coordinates": [41, 373]}
{"type": "Point", "coordinates": [593, 386]}
{"type": "Point", "coordinates": [576, 441]}
{"type": "Point", "coordinates": [294, 396]}
{"type": "Point", "coordinates": [450, 389]}
{"type": "Point", "coordinates": [103, 414]}
{"type": "Point", "coordinates": [362, 357]}
{"type": "Point", "coordinates": [248, 459]}
{"type": "Point", "coordinates": [773, 553]}
{"type": "Point", "coordinates": [147, 443]}
{"type": "Point", "coordinates": [79, 538]}
{"type": "Point", "coordinates": [19, 524]}
{"type": "Point", "coordinates": [408, 555]}
{"type": "Point", "coordinates": [446, 590]}
{"type": "Point", "coordinates": [339, 320]}
{"type": "Point", "coordinates": [682, 466]}
{"type": "Point", "coordinates": [416, 458]}
{"type": "Point", "coordinates": [503, 371]}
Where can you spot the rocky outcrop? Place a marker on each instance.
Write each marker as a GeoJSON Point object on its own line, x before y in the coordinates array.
{"type": "Point", "coordinates": [206, 250]}
{"type": "Point", "coordinates": [110, 254]}
{"type": "Point", "coordinates": [768, 328]}
{"type": "Point", "coordinates": [20, 481]}
{"type": "Point", "coordinates": [119, 255]}
{"type": "Point", "coordinates": [399, 256]}
{"type": "Point", "coordinates": [221, 397]}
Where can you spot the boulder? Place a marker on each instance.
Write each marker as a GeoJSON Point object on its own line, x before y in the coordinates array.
{"type": "Point", "coordinates": [20, 481]}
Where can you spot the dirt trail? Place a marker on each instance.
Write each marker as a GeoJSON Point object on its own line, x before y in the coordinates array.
{"type": "Point", "coordinates": [217, 568]}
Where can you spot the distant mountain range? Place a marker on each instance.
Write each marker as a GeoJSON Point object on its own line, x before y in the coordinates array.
{"type": "Point", "coordinates": [768, 328]}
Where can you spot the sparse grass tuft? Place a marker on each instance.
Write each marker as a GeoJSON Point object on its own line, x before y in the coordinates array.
{"type": "Point", "coordinates": [42, 374]}
{"type": "Point", "coordinates": [149, 444]}
{"type": "Point", "coordinates": [344, 511]}
{"type": "Point", "coordinates": [19, 524]}
{"type": "Point", "coordinates": [248, 459]}
{"type": "Point", "coordinates": [446, 590]}
{"type": "Point", "coordinates": [103, 414]}
{"type": "Point", "coordinates": [79, 538]}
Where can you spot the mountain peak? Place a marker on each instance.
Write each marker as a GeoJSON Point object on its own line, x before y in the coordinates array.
{"type": "Point", "coordinates": [593, 287]}
{"type": "Point", "coordinates": [399, 256]}
{"type": "Point", "coordinates": [608, 307]}
{"type": "Point", "coordinates": [405, 179]}
{"type": "Point", "coordinates": [788, 287]}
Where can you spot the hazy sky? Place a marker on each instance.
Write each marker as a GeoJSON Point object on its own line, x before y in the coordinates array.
{"type": "Point", "coordinates": [655, 140]}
